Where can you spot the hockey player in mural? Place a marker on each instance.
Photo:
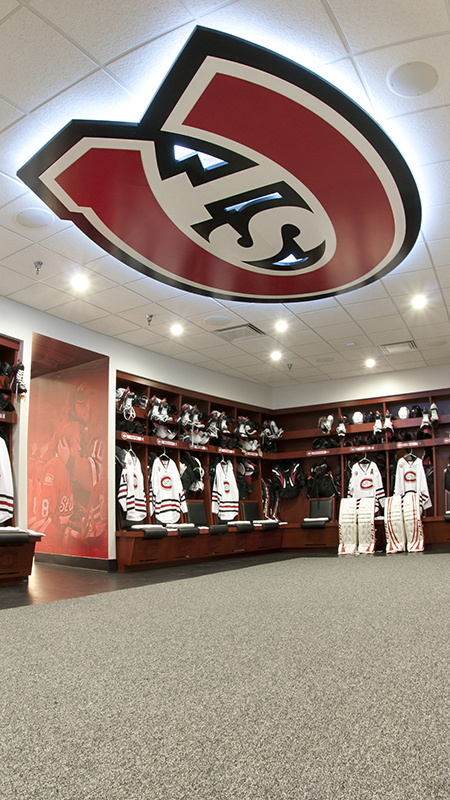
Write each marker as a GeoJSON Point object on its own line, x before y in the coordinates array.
{"type": "Point", "coordinates": [67, 470]}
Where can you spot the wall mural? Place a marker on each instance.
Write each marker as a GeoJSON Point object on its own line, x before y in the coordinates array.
{"type": "Point", "coordinates": [248, 178]}
{"type": "Point", "coordinates": [67, 452]}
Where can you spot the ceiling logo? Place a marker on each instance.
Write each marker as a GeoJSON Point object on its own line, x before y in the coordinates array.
{"type": "Point", "coordinates": [248, 178]}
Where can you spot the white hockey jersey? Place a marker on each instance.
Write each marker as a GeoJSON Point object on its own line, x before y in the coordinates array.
{"type": "Point", "coordinates": [225, 493]}
{"type": "Point", "coordinates": [6, 484]}
{"type": "Point", "coordinates": [366, 481]}
{"type": "Point", "coordinates": [410, 477]}
{"type": "Point", "coordinates": [131, 494]}
{"type": "Point", "coordinates": [167, 498]}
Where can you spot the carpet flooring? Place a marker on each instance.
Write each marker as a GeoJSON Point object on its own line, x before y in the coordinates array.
{"type": "Point", "coordinates": [303, 679]}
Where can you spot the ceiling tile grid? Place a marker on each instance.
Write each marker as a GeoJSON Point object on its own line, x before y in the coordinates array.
{"type": "Point", "coordinates": [105, 60]}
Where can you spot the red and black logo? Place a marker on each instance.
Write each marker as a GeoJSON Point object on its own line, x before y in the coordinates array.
{"type": "Point", "coordinates": [248, 177]}
{"type": "Point", "coordinates": [367, 483]}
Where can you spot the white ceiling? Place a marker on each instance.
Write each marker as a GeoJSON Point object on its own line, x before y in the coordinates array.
{"type": "Point", "coordinates": [105, 59]}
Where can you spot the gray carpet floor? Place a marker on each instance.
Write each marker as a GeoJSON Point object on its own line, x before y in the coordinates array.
{"type": "Point", "coordinates": [305, 679]}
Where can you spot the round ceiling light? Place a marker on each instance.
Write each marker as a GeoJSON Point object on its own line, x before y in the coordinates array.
{"type": "Point", "coordinates": [34, 217]}
{"type": "Point", "coordinates": [412, 79]}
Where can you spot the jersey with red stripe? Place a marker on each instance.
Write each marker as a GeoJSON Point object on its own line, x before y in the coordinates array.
{"type": "Point", "coordinates": [366, 481]}
{"type": "Point", "coordinates": [410, 477]}
{"type": "Point", "coordinates": [167, 498]}
{"type": "Point", "coordinates": [225, 493]}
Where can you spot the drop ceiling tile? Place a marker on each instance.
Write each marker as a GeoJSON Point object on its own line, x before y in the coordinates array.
{"type": "Point", "coordinates": [8, 114]}
{"type": "Point", "coordinates": [418, 259]}
{"type": "Point", "coordinates": [115, 270]}
{"type": "Point", "coordinates": [260, 370]}
{"type": "Point", "coordinates": [434, 298]}
{"type": "Point", "coordinates": [24, 38]}
{"type": "Point", "coordinates": [232, 319]}
{"type": "Point", "coordinates": [132, 69]}
{"type": "Point", "coordinates": [11, 189]}
{"type": "Point", "coordinates": [153, 290]}
{"type": "Point", "coordinates": [433, 181]}
{"type": "Point", "coordinates": [191, 357]}
{"type": "Point", "coordinates": [77, 311]}
{"type": "Point", "coordinates": [443, 274]}
{"type": "Point", "coordinates": [96, 283]}
{"type": "Point", "coordinates": [222, 351]}
{"type": "Point", "coordinates": [298, 29]}
{"type": "Point", "coordinates": [12, 281]}
{"type": "Point", "coordinates": [437, 361]}
{"type": "Point", "coordinates": [163, 327]}
{"type": "Point", "coordinates": [385, 22]}
{"type": "Point", "coordinates": [344, 372]}
{"type": "Point", "coordinates": [117, 300]}
{"type": "Point", "coordinates": [39, 296]}
{"type": "Point", "coordinates": [344, 76]}
{"type": "Point", "coordinates": [324, 360]}
{"type": "Point", "coordinates": [140, 337]}
{"type": "Point", "coordinates": [306, 372]}
{"type": "Point", "coordinates": [331, 332]}
{"type": "Point", "coordinates": [391, 322]}
{"type": "Point", "coordinates": [258, 312]}
{"type": "Point", "coordinates": [168, 348]}
{"type": "Point", "coordinates": [23, 261]}
{"type": "Point", "coordinates": [421, 135]}
{"type": "Point", "coordinates": [320, 378]}
{"type": "Point", "coordinates": [372, 308]}
{"type": "Point", "coordinates": [11, 243]}
{"type": "Point", "coordinates": [434, 345]}
{"type": "Point", "coordinates": [28, 200]}
{"type": "Point", "coordinates": [428, 331]}
{"type": "Point", "coordinates": [391, 336]}
{"type": "Point", "coordinates": [440, 251]}
{"type": "Point", "coordinates": [19, 143]}
{"type": "Point", "coordinates": [128, 25]}
{"type": "Point", "coordinates": [314, 348]}
{"type": "Point", "coordinates": [73, 244]}
{"type": "Point", "coordinates": [7, 6]}
{"type": "Point", "coordinates": [418, 282]}
{"type": "Point", "coordinates": [110, 325]}
{"type": "Point", "coordinates": [311, 305]}
{"type": "Point", "coordinates": [357, 342]}
{"type": "Point", "coordinates": [425, 316]}
{"type": "Point", "coordinates": [241, 361]}
{"type": "Point", "coordinates": [375, 66]}
{"type": "Point", "coordinates": [327, 317]}
{"type": "Point", "coordinates": [189, 305]}
{"type": "Point", "coordinates": [360, 355]}
{"type": "Point", "coordinates": [202, 341]}
{"type": "Point", "coordinates": [373, 291]}
{"type": "Point", "coordinates": [436, 222]}
{"type": "Point", "coordinates": [407, 360]}
{"type": "Point", "coordinates": [262, 345]}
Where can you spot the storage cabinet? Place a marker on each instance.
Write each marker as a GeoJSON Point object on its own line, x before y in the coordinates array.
{"type": "Point", "coordinates": [302, 440]}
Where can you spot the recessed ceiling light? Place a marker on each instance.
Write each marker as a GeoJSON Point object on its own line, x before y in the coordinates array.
{"type": "Point", "coordinates": [275, 355]}
{"type": "Point", "coordinates": [419, 301]}
{"type": "Point", "coordinates": [176, 329]}
{"type": "Point", "coordinates": [79, 282]}
{"type": "Point", "coordinates": [412, 79]}
{"type": "Point", "coordinates": [281, 325]}
{"type": "Point", "coordinates": [217, 320]}
{"type": "Point", "coordinates": [370, 362]}
{"type": "Point", "coordinates": [34, 217]}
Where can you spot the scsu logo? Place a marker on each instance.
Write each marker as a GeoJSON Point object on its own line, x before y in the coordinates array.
{"type": "Point", "coordinates": [166, 482]}
{"type": "Point", "coordinates": [248, 177]}
{"type": "Point", "coordinates": [367, 483]}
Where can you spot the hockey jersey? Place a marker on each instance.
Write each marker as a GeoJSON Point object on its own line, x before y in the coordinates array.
{"type": "Point", "coordinates": [225, 493]}
{"type": "Point", "coordinates": [54, 499]}
{"type": "Point", "coordinates": [366, 481]}
{"type": "Point", "coordinates": [167, 498]}
{"type": "Point", "coordinates": [410, 477]}
{"type": "Point", "coordinates": [131, 495]}
{"type": "Point", "coordinates": [6, 484]}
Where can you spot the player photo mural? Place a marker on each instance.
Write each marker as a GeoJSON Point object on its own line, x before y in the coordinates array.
{"type": "Point", "coordinates": [67, 481]}
{"type": "Point", "coordinates": [249, 177]}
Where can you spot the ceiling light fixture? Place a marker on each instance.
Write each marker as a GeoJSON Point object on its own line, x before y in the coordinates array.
{"type": "Point", "coordinates": [419, 301]}
{"type": "Point", "coordinates": [176, 329]}
{"type": "Point", "coordinates": [34, 217]}
{"type": "Point", "coordinates": [370, 362]}
{"type": "Point", "coordinates": [412, 79]}
{"type": "Point", "coordinates": [79, 282]}
{"type": "Point", "coordinates": [275, 355]}
{"type": "Point", "coordinates": [281, 325]}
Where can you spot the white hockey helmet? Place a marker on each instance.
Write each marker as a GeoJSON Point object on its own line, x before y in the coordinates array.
{"type": "Point", "coordinates": [403, 412]}
{"type": "Point", "coordinates": [357, 418]}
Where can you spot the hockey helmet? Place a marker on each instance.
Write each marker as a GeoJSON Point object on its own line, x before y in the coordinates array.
{"type": "Point", "coordinates": [357, 418]}
{"type": "Point", "coordinates": [403, 412]}
{"type": "Point", "coordinates": [416, 411]}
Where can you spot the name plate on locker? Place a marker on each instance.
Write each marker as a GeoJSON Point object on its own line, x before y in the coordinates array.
{"type": "Point", "coordinates": [226, 450]}
{"type": "Point", "coordinates": [133, 437]}
{"type": "Point", "coordinates": [198, 447]}
{"type": "Point", "coordinates": [316, 453]}
{"type": "Point", "coordinates": [361, 449]}
{"type": "Point", "coordinates": [167, 443]}
{"type": "Point", "coordinates": [407, 445]}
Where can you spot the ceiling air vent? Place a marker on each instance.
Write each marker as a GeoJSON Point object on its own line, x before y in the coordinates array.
{"type": "Point", "coordinates": [240, 333]}
{"type": "Point", "coordinates": [396, 348]}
